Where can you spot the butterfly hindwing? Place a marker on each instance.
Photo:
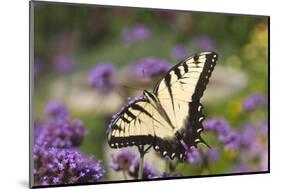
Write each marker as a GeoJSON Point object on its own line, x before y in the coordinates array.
{"type": "Point", "coordinates": [138, 124]}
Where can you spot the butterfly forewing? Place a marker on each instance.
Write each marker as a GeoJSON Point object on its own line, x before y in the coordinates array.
{"type": "Point", "coordinates": [179, 94]}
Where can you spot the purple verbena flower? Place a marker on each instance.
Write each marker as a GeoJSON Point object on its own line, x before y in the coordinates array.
{"type": "Point", "coordinates": [193, 156]}
{"type": "Point", "coordinates": [147, 68]}
{"type": "Point", "coordinates": [213, 154]}
{"type": "Point", "coordinates": [264, 127]}
{"type": "Point", "coordinates": [101, 76]}
{"type": "Point", "coordinates": [148, 170]}
{"type": "Point", "coordinates": [248, 133]}
{"type": "Point", "coordinates": [165, 175]}
{"type": "Point", "coordinates": [205, 43]}
{"type": "Point", "coordinates": [54, 166]}
{"type": "Point", "coordinates": [254, 101]}
{"type": "Point", "coordinates": [222, 130]}
{"type": "Point", "coordinates": [240, 169]}
{"type": "Point", "coordinates": [138, 32]}
{"type": "Point", "coordinates": [56, 109]}
{"type": "Point", "coordinates": [63, 63]}
{"type": "Point", "coordinates": [39, 66]}
{"type": "Point", "coordinates": [218, 125]}
{"type": "Point", "coordinates": [179, 52]}
{"type": "Point", "coordinates": [122, 160]}
{"type": "Point", "coordinates": [38, 126]}
{"type": "Point", "coordinates": [231, 140]}
{"type": "Point", "coordinates": [61, 133]}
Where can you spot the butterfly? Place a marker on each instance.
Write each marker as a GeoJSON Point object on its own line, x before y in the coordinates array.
{"type": "Point", "coordinates": [170, 117]}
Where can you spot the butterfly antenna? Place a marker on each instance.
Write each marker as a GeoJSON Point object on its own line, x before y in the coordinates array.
{"type": "Point", "coordinates": [204, 142]}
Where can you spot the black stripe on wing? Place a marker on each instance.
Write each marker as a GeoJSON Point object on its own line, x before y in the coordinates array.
{"type": "Point", "coordinates": [211, 60]}
{"type": "Point", "coordinates": [129, 119]}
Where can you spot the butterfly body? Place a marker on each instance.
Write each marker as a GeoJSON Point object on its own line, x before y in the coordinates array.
{"type": "Point", "coordinates": [169, 118]}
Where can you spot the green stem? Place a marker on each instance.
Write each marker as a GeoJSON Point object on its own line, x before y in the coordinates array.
{"type": "Point", "coordinates": [167, 166]}
{"type": "Point", "coordinates": [125, 176]}
{"type": "Point", "coordinates": [142, 152]}
{"type": "Point", "coordinates": [141, 164]}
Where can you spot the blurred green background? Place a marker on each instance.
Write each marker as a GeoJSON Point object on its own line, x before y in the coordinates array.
{"type": "Point", "coordinates": [88, 35]}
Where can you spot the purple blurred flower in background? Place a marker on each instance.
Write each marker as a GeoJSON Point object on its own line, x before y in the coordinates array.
{"type": "Point", "coordinates": [179, 52]}
{"type": "Point", "coordinates": [39, 66]}
{"type": "Point", "coordinates": [248, 134]}
{"type": "Point", "coordinates": [213, 154]}
{"type": "Point", "coordinates": [205, 43]}
{"type": "Point", "coordinates": [240, 169]}
{"type": "Point", "coordinates": [56, 109]}
{"type": "Point", "coordinates": [38, 126]}
{"type": "Point", "coordinates": [165, 175]}
{"type": "Point", "coordinates": [122, 160]}
{"type": "Point", "coordinates": [231, 140]}
{"type": "Point", "coordinates": [222, 130]}
{"type": "Point", "coordinates": [193, 156]}
{"type": "Point", "coordinates": [148, 170]}
{"type": "Point", "coordinates": [264, 127]}
{"type": "Point", "coordinates": [138, 32]}
{"type": "Point", "coordinates": [196, 156]}
{"type": "Point", "coordinates": [253, 144]}
{"type": "Point", "coordinates": [254, 101]}
{"type": "Point", "coordinates": [147, 68]}
{"type": "Point", "coordinates": [64, 166]}
{"type": "Point", "coordinates": [61, 133]}
{"type": "Point", "coordinates": [63, 63]}
{"type": "Point", "coordinates": [101, 76]}
{"type": "Point", "coordinates": [217, 124]}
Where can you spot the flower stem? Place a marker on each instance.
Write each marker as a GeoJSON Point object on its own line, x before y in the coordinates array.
{"type": "Point", "coordinates": [125, 176]}
{"type": "Point", "coordinates": [142, 152]}
{"type": "Point", "coordinates": [141, 166]}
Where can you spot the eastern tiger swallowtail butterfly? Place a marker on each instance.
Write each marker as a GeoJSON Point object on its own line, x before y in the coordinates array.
{"type": "Point", "coordinates": [169, 118]}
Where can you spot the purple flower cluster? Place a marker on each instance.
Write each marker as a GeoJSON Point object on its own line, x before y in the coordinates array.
{"type": "Point", "coordinates": [225, 134]}
{"type": "Point", "coordinates": [147, 68]}
{"type": "Point", "coordinates": [122, 160]}
{"type": "Point", "coordinates": [56, 109]}
{"type": "Point", "coordinates": [39, 66]}
{"type": "Point", "coordinates": [252, 141]}
{"type": "Point", "coordinates": [205, 43]}
{"type": "Point", "coordinates": [128, 161]}
{"type": "Point", "coordinates": [63, 63]}
{"type": "Point", "coordinates": [138, 32]}
{"type": "Point", "coordinates": [101, 76]}
{"type": "Point", "coordinates": [254, 101]}
{"type": "Point", "coordinates": [165, 175]}
{"type": "Point", "coordinates": [56, 160]}
{"type": "Point", "coordinates": [60, 133]}
{"type": "Point", "coordinates": [54, 166]}
{"type": "Point", "coordinates": [195, 156]}
{"type": "Point", "coordinates": [179, 52]}
{"type": "Point", "coordinates": [148, 170]}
